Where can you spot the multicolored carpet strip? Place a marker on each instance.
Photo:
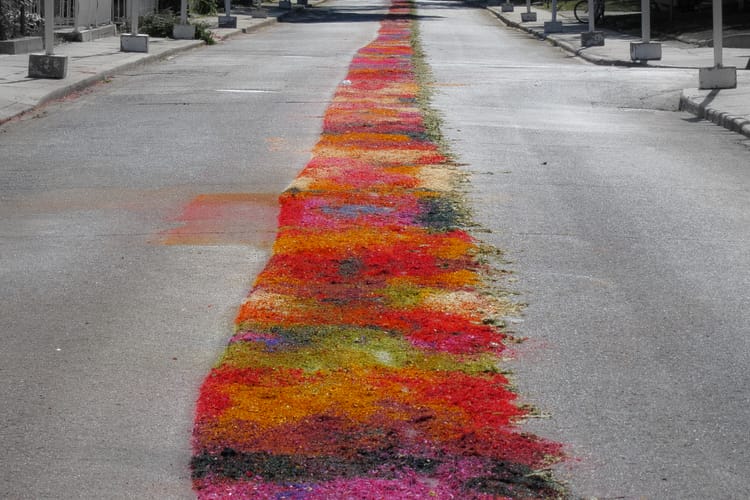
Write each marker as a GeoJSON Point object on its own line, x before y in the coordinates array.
{"type": "Point", "coordinates": [365, 361]}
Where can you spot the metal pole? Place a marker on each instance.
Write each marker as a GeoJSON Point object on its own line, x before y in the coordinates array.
{"type": "Point", "coordinates": [49, 27]}
{"type": "Point", "coordinates": [227, 7]}
{"type": "Point", "coordinates": [718, 38]}
{"type": "Point", "coordinates": [645, 21]}
{"type": "Point", "coordinates": [183, 12]}
{"type": "Point", "coordinates": [554, 11]}
{"type": "Point", "coordinates": [592, 15]}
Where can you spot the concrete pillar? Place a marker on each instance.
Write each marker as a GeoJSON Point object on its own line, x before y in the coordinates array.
{"type": "Point", "coordinates": [183, 31]}
{"type": "Point", "coordinates": [718, 77]}
{"type": "Point", "coordinates": [592, 38]}
{"type": "Point", "coordinates": [528, 16]}
{"type": "Point", "coordinates": [48, 65]}
{"type": "Point", "coordinates": [133, 41]}
{"type": "Point", "coordinates": [553, 26]}
{"type": "Point", "coordinates": [645, 50]}
{"type": "Point", "coordinates": [227, 20]}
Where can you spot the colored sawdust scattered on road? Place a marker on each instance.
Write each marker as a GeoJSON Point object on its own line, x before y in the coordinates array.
{"type": "Point", "coordinates": [365, 358]}
{"type": "Point", "coordinates": [225, 218]}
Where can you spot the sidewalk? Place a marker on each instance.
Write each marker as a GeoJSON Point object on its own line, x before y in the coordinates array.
{"type": "Point", "coordinates": [729, 108]}
{"type": "Point", "coordinates": [90, 62]}
{"type": "Point", "coordinates": [94, 61]}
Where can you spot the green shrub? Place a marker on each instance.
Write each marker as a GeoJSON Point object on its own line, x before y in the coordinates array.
{"type": "Point", "coordinates": [203, 7]}
{"type": "Point", "coordinates": [203, 33]}
{"type": "Point", "coordinates": [17, 18]}
{"type": "Point", "coordinates": [158, 24]}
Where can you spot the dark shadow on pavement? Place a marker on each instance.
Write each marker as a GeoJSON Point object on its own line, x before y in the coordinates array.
{"type": "Point", "coordinates": [325, 14]}
{"type": "Point", "coordinates": [348, 15]}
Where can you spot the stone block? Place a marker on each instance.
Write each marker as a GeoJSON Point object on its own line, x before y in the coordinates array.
{"type": "Point", "coordinates": [302, 2]}
{"type": "Point", "coordinates": [506, 7]}
{"type": "Point", "coordinates": [228, 22]}
{"type": "Point", "coordinates": [528, 17]}
{"type": "Point", "coordinates": [285, 4]}
{"type": "Point", "coordinates": [553, 27]}
{"type": "Point", "coordinates": [48, 66]}
{"type": "Point", "coordinates": [717, 78]}
{"type": "Point", "coordinates": [592, 39]}
{"type": "Point", "coordinates": [645, 51]}
{"type": "Point", "coordinates": [133, 43]}
{"type": "Point", "coordinates": [22, 45]}
{"type": "Point", "coordinates": [183, 32]}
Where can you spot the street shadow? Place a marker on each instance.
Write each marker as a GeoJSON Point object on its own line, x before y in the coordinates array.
{"type": "Point", "coordinates": [453, 4]}
{"type": "Point", "coordinates": [709, 98]}
{"type": "Point", "coordinates": [325, 14]}
{"type": "Point", "coordinates": [322, 14]}
{"type": "Point", "coordinates": [703, 105]}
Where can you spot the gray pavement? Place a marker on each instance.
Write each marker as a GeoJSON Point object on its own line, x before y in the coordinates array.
{"type": "Point", "coordinates": [729, 108]}
{"type": "Point", "coordinates": [97, 60]}
{"type": "Point", "coordinates": [90, 62]}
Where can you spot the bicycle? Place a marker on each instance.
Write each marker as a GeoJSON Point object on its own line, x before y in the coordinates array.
{"type": "Point", "coordinates": [581, 11]}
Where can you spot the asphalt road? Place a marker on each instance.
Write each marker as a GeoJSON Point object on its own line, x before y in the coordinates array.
{"type": "Point", "coordinates": [126, 251]}
{"type": "Point", "coordinates": [628, 227]}
{"type": "Point", "coordinates": [107, 330]}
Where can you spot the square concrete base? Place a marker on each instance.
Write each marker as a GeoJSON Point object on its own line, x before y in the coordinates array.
{"type": "Point", "coordinates": [507, 7]}
{"type": "Point", "coordinates": [285, 4]}
{"type": "Point", "coordinates": [48, 66]}
{"type": "Point", "coordinates": [553, 27]}
{"type": "Point", "coordinates": [643, 51]}
{"type": "Point", "coordinates": [717, 78]}
{"type": "Point", "coordinates": [302, 2]}
{"type": "Point", "coordinates": [183, 31]}
{"type": "Point", "coordinates": [592, 39]}
{"type": "Point", "coordinates": [528, 17]}
{"type": "Point", "coordinates": [227, 21]}
{"type": "Point", "coordinates": [133, 43]}
{"type": "Point", "coordinates": [22, 45]}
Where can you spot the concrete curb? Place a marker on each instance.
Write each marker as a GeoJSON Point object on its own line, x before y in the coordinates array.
{"type": "Point", "coordinates": [255, 27]}
{"type": "Point", "coordinates": [738, 124]}
{"type": "Point", "coordinates": [601, 61]}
